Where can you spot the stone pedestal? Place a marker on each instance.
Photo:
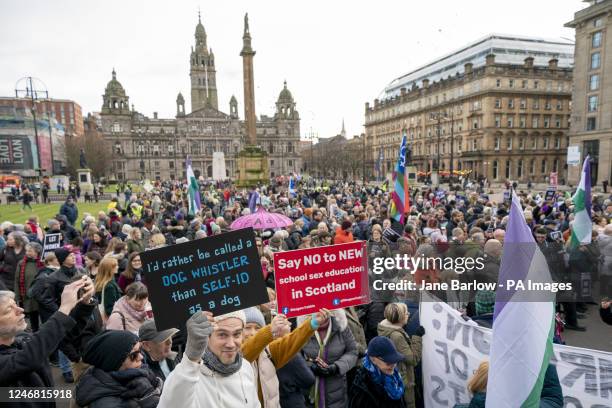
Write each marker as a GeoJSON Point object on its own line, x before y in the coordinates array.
{"type": "Point", "coordinates": [84, 180]}
{"type": "Point", "coordinates": [253, 167]}
{"type": "Point", "coordinates": [435, 178]}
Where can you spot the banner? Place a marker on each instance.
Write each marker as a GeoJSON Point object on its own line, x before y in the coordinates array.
{"type": "Point", "coordinates": [331, 277]}
{"type": "Point", "coordinates": [220, 274]}
{"type": "Point", "coordinates": [573, 155]}
{"type": "Point", "coordinates": [453, 348]}
{"type": "Point", "coordinates": [51, 242]}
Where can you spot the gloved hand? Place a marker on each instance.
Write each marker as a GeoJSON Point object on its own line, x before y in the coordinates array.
{"type": "Point", "coordinates": [319, 371]}
{"type": "Point", "coordinates": [199, 329]}
{"type": "Point", "coordinates": [420, 331]}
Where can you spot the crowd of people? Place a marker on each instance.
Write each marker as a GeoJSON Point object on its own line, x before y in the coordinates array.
{"type": "Point", "coordinates": [85, 309]}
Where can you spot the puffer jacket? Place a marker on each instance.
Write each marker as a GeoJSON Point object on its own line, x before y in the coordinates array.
{"type": "Point", "coordinates": [411, 348]}
{"type": "Point", "coordinates": [339, 347]}
{"type": "Point", "coordinates": [125, 317]}
{"type": "Point", "coordinates": [135, 387]}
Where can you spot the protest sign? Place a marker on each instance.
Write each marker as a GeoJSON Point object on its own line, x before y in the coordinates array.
{"type": "Point", "coordinates": [550, 193]}
{"type": "Point", "coordinates": [390, 235]}
{"type": "Point", "coordinates": [220, 274]}
{"type": "Point", "coordinates": [331, 277]}
{"type": "Point", "coordinates": [453, 348]}
{"type": "Point", "coordinates": [51, 243]}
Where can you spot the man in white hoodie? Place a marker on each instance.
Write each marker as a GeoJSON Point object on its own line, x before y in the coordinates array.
{"type": "Point", "coordinates": [212, 372]}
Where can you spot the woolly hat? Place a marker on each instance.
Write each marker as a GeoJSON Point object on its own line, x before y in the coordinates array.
{"type": "Point", "coordinates": [254, 315]}
{"type": "Point", "coordinates": [238, 315]}
{"type": "Point", "coordinates": [108, 350]}
{"type": "Point", "coordinates": [61, 254]}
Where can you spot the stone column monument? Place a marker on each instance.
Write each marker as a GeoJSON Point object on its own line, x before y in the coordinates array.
{"type": "Point", "coordinates": [253, 165]}
{"type": "Point", "coordinates": [84, 175]}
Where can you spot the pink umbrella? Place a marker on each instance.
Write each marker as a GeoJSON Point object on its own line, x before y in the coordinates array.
{"type": "Point", "coordinates": [261, 220]}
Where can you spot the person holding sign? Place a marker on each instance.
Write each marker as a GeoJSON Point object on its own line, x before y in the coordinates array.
{"type": "Point", "coordinates": [270, 347]}
{"type": "Point", "coordinates": [212, 372]}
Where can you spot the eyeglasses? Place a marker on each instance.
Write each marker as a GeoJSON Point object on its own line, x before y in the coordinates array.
{"type": "Point", "coordinates": [134, 355]}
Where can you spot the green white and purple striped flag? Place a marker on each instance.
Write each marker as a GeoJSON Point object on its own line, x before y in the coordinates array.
{"type": "Point", "coordinates": [193, 189]}
{"type": "Point", "coordinates": [523, 321]}
{"type": "Point", "coordinates": [582, 226]}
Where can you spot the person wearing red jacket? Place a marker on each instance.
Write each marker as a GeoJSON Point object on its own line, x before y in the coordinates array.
{"type": "Point", "coordinates": [344, 233]}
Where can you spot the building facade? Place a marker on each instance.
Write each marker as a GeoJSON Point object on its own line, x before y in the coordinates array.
{"type": "Point", "coordinates": [591, 127]}
{"type": "Point", "coordinates": [23, 142]}
{"type": "Point", "coordinates": [499, 107]}
{"type": "Point", "coordinates": [65, 112]}
{"type": "Point", "coordinates": [156, 148]}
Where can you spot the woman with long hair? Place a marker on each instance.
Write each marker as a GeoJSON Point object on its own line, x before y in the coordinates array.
{"type": "Point", "coordinates": [13, 252]}
{"type": "Point", "coordinates": [133, 271]}
{"type": "Point", "coordinates": [98, 243]}
{"type": "Point", "coordinates": [107, 290]}
{"type": "Point", "coordinates": [92, 262]}
{"type": "Point", "coordinates": [134, 241]}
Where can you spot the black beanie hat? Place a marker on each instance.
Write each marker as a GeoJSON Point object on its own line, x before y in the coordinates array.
{"type": "Point", "coordinates": [108, 350]}
{"type": "Point", "coordinates": [61, 255]}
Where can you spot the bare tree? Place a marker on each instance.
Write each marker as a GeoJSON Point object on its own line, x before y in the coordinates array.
{"type": "Point", "coordinates": [97, 153]}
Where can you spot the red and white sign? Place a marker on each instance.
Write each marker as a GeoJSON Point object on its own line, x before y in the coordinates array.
{"type": "Point", "coordinates": [331, 277]}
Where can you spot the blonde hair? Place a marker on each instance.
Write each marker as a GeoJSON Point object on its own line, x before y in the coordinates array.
{"type": "Point", "coordinates": [111, 245]}
{"type": "Point", "coordinates": [395, 313]}
{"type": "Point", "coordinates": [478, 382]}
{"type": "Point", "coordinates": [106, 273]}
{"type": "Point", "coordinates": [157, 240]}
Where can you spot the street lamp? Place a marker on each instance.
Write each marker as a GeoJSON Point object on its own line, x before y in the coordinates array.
{"type": "Point", "coordinates": [29, 87]}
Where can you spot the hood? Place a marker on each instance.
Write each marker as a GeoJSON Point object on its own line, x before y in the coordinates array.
{"type": "Point", "coordinates": [95, 384]}
{"type": "Point", "coordinates": [385, 328]}
{"type": "Point", "coordinates": [62, 218]}
{"type": "Point", "coordinates": [128, 311]}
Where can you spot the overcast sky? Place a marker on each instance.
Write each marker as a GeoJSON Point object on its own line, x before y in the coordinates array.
{"type": "Point", "coordinates": [335, 55]}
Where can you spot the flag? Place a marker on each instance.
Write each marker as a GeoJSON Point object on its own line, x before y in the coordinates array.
{"type": "Point", "coordinates": [400, 200]}
{"type": "Point", "coordinates": [193, 190]}
{"type": "Point", "coordinates": [523, 320]}
{"type": "Point", "coordinates": [253, 200]}
{"type": "Point", "coordinates": [292, 192]}
{"type": "Point", "coordinates": [582, 226]}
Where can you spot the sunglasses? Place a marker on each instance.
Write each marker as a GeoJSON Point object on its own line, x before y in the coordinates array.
{"type": "Point", "coordinates": [134, 355]}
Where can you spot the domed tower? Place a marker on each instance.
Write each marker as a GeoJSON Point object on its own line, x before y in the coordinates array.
{"type": "Point", "coordinates": [115, 101]}
{"type": "Point", "coordinates": [285, 106]}
{"type": "Point", "coordinates": [202, 72]}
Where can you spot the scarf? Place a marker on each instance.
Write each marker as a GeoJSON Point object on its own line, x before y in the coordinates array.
{"type": "Point", "coordinates": [393, 385]}
{"type": "Point", "coordinates": [22, 284]}
{"type": "Point", "coordinates": [211, 361]}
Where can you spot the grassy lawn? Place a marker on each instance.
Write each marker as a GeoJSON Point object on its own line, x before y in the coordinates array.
{"type": "Point", "coordinates": [13, 212]}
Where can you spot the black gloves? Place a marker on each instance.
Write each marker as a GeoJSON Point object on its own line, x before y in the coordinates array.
{"type": "Point", "coordinates": [420, 331]}
{"type": "Point", "coordinates": [319, 371]}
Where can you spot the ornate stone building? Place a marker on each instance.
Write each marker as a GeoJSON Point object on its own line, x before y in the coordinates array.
{"type": "Point", "coordinates": [156, 148]}
{"type": "Point", "coordinates": [499, 107]}
{"type": "Point", "coordinates": [591, 128]}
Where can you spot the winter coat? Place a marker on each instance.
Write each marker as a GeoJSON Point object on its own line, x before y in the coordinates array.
{"type": "Point", "coordinates": [195, 386]}
{"type": "Point", "coordinates": [9, 259]}
{"type": "Point", "coordinates": [356, 328]}
{"type": "Point", "coordinates": [112, 293]}
{"type": "Point", "coordinates": [295, 379]}
{"type": "Point", "coordinates": [411, 348]}
{"type": "Point", "coordinates": [88, 325]}
{"type": "Point", "coordinates": [365, 393]}
{"type": "Point", "coordinates": [30, 272]}
{"type": "Point", "coordinates": [490, 272]}
{"type": "Point", "coordinates": [46, 304]}
{"type": "Point", "coordinates": [606, 315]}
{"type": "Point", "coordinates": [25, 362]}
{"type": "Point", "coordinates": [135, 387]}
{"type": "Point", "coordinates": [55, 283]}
{"type": "Point", "coordinates": [340, 349]}
{"type": "Point", "coordinates": [377, 249]}
{"type": "Point", "coordinates": [125, 317]}
{"type": "Point", "coordinates": [342, 237]}
{"type": "Point", "coordinates": [134, 246]}
{"type": "Point", "coordinates": [154, 365]}
{"type": "Point", "coordinates": [68, 231]}
{"type": "Point", "coordinates": [70, 211]}
{"type": "Point", "coordinates": [266, 356]}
